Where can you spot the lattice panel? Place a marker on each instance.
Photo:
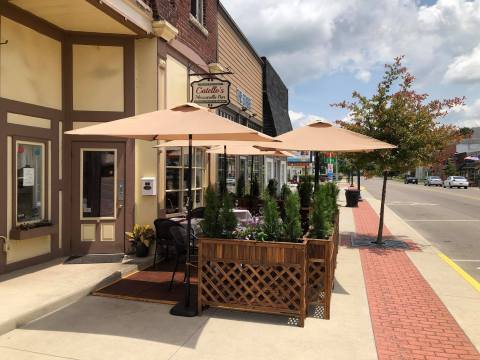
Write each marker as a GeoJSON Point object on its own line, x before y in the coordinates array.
{"type": "Point", "coordinates": [316, 283]}
{"type": "Point", "coordinates": [276, 287]}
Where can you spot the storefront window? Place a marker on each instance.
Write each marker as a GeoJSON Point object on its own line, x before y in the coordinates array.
{"type": "Point", "coordinates": [30, 181]}
{"type": "Point", "coordinates": [231, 172]}
{"type": "Point", "coordinates": [177, 176]}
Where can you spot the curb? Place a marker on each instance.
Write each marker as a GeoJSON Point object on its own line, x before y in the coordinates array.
{"type": "Point", "coordinates": [64, 301]}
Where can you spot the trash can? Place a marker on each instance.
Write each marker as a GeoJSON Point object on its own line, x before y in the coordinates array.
{"type": "Point", "coordinates": [352, 196]}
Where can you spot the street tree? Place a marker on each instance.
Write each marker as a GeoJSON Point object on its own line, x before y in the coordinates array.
{"type": "Point", "coordinates": [450, 168]}
{"type": "Point", "coordinates": [396, 113]}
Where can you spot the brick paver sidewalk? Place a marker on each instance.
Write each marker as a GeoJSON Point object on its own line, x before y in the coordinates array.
{"type": "Point", "coordinates": [409, 320]}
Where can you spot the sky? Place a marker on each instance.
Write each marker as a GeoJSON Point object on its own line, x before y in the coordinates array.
{"type": "Point", "coordinates": [324, 50]}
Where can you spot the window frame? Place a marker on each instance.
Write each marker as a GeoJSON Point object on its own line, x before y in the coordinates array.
{"type": "Point", "coordinates": [183, 167]}
{"type": "Point", "coordinates": [199, 10]}
{"type": "Point", "coordinates": [45, 179]}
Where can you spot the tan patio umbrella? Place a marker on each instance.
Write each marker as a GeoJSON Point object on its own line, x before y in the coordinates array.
{"type": "Point", "coordinates": [185, 122]}
{"type": "Point", "coordinates": [323, 137]}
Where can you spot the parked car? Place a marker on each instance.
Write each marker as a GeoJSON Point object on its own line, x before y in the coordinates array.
{"type": "Point", "coordinates": [411, 180]}
{"type": "Point", "coordinates": [433, 181]}
{"type": "Point", "coordinates": [456, 181]}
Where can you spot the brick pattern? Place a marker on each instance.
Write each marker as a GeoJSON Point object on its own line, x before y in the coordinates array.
{"type": "Point", "coordinates": [178, 14]}
{"type": "Point", "coordinates": [409, 320]}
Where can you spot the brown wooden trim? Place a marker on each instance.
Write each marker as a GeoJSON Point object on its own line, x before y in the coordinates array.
{"type": "Point", "coordinates": [129, 187]}
{"type": "Point", "coordinates": [3, 185]}
{"type": "Point", "coordinates": [118, 17]}
{"type": "Point", "coordinates": [18, 107]}
{"type": "Point", "coordinates": [30, 20]}
{"type": "Point", "coordinates": [95, 116]}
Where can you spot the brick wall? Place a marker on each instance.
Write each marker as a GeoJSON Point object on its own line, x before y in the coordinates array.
{"type": "Point", "coordinates": [177, 12]}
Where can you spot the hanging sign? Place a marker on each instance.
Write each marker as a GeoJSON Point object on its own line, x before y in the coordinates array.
{"type": "Point", "coordinates": [211, 92]}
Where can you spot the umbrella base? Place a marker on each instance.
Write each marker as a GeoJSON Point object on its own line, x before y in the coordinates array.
{"type": "Point", "coordinates": [181, 309]}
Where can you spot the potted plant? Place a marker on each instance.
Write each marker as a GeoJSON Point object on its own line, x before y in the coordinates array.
{"type": "Point", "coordinates": [140, 238]}
{"type": "Point", "coordinates": [291, 223]}
{"type": "Point", "coordinates": [272, 188]}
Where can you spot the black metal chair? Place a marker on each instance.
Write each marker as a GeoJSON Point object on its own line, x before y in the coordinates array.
{"type": "Point", "coordinates": [179, 235]}
{"type": "Point", "coordinates": [163, 236]}
{"type": "Point", "coordinates": [198, 212]}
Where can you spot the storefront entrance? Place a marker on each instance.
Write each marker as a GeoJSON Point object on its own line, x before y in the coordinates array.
{"type": "Point", "coordinates": [98, 197]}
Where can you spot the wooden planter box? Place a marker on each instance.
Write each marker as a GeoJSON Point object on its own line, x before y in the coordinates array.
{"type": "Point", "coordinates": [17, 234]}
{"type": "Point", "coordinates": [269, 277]}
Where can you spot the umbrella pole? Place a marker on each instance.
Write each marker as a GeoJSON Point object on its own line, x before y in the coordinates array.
{"type": "Point", "coordinates": [251, 186]}
{"type": "Point", "coordinates": [187, 308]}
{"type": "Point", "coordinates": [317, 170]}
{"type": "Point", "coordinates": [225, 169]}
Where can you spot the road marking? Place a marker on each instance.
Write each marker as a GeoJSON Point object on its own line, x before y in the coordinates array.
{"type": "Point", "coordinates": [475, 284]}
{"type": "Point", "coordinates": [395, 203]}
{"type": "Point", "coordinates": [466, 260]}
{"type": "Point", "coordinates": [443, 220]}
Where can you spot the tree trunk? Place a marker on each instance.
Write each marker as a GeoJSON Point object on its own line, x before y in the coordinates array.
{"type": "Point", "coordinates": [358, 183]}
{"type": "Point", "coordinates": [382, 209]}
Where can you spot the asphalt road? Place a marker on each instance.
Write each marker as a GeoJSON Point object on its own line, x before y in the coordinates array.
{"type": "Point", "coordinates": [448, 218]}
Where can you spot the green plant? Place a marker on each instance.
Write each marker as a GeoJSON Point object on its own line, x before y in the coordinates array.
{"type": "Point", "coordinates": [292, 225]}
{"type": "Point", "coordinates": [271, 218]}
{"type": "Point", "coordinates": [227, 219]}
{"type": "Point", "coordinates": [255, 188]}
{"type": "Point", "coordinates": [141, 234]}
{"type": "Point", "coordinates": [332, 195]}
{"type": "Point", "coordinates": [450, 168]}
{"type": "Point", "coordinates": [285, 192]}
{"type": "Point", "coordinates": [241, 187]}
{"type": "Point", "coordinates": [272, 188]}
{"type": "Point", "coordinates": [305, 190]}
{"type": "Point", "coordinates": [320, 216]}
{"type": "Point", "coordinates": [211, 226]}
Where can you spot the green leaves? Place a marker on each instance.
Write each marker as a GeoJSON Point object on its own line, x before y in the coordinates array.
{"type": "Point", "coordinates": [292, 225]}
{"type": "Point", "coordinates": [401, 117]}
{"type": "Point", "coordinates": [324, 208]}
{"type": "Point", "coordinates": [219, 220]}
{"type": "Point", "coordinates": [272, 226]}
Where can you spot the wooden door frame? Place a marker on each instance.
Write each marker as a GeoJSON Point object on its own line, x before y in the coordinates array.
{"type": "Point", "coordinates": [75, 220]}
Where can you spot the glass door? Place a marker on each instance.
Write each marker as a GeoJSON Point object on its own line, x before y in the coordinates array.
{"type": "Point", "coordinates": [98, 197]}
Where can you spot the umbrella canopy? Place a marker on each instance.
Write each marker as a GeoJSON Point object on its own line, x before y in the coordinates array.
{"type": "Point", "coordinates": [233, 147]}
{"type": "Point", "coordinates": [324, 137]}
{"type": "Point", "coordinates": [175, 124]}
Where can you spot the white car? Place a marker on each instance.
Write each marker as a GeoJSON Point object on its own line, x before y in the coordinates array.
{"type": "Point", "coordinates": [456, 181]}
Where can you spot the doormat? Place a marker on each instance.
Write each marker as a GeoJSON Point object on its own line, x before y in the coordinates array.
{"type": "Point", "coordinates": [95, 259]}
{"type": "Point", "coordinates": [151, 285]}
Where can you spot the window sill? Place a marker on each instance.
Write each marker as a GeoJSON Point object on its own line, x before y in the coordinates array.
{"type": "Point", "coordinates": [17, 234]}
{"type": "Point", "coordinates": [198, 25]}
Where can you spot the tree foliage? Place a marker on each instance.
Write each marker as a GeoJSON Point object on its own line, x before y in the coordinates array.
{"type": "Point", "coordinates": [396, 113]}
{"type": "Point", "coordinates": [272, 226]}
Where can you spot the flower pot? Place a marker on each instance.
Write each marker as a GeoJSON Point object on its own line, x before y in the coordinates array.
{"type": "Point", "coordinates": [141, 250]}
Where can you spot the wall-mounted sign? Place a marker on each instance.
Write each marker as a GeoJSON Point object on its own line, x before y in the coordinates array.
{"type": "Point", "coordinates": [244, 100]}
{"type": "Point", "coordinates": [212, 92]}
{"type": "Point", "coordinates": [28, 176]}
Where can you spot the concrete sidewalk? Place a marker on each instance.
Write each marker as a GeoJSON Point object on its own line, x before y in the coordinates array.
{"type": "Point", "coordinates": [33, 292]}
{"type": "Point", "coordinates": [104, 328]}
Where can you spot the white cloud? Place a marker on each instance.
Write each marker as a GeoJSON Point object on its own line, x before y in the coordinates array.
{"type": "Point", "coordinates": [300, 119]}
{"type": "Point", "coordinates": [363, 75]}
{"type": "Point", "coordinates": [465, 68]}
{"type": "Point", "coordinates": [468, 115]}
{"type": "Point", "coordinates": [311, 38]}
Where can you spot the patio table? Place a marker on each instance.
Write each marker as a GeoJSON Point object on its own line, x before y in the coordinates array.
{"type": "Point", "coordinates": [243, 215]}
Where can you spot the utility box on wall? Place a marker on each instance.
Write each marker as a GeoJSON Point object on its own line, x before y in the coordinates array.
{"type": "Point", "coordinates": [149, 186]}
